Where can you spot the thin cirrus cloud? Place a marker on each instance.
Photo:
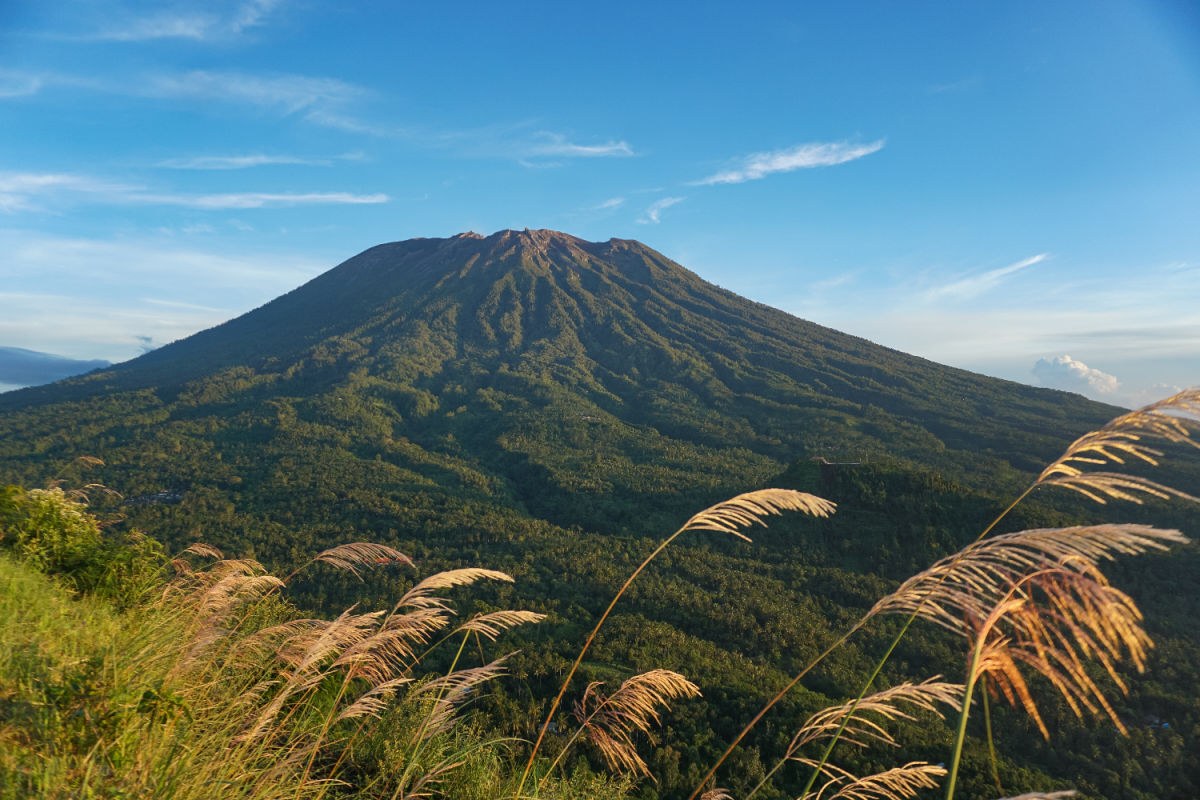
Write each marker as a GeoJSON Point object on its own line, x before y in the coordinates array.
{"type": "Point", "coordinates": [975, 285]}
{"type": "Point", "coordinates": [555, 144]}
{"type": "Point", "coordinates": [18, 84]}
{"type": "Point", "coordinates": [27, 191]}
{"type": "Point", "coordinates": [288, 93]}
{"type": "Point", "coordinates": [212, 24]}
{"type": "Point", "coordinates": [653, 214]}
{"type": "Point", "coordinates": [23, 191]}
{"type": "Point", "coordinates": [803, 156]}
{"type": "Point", "coordinates": [238, 162]}
{"type": "Point", "coordinates": [242, 200]}
{"type": "Point", "coordinates": [321, 101]}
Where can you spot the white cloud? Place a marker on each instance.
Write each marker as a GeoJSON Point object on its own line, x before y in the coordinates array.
{"type": "Point", "coordinates": [18, 84]}
{"type": "Point", "coordinates": [555, 144]}
{"type": "Point", "coordinates": [23, 191]}
{"type": "Point", "coordinates": [803, 156]}
{"type": "Point", "coordinates": [18, 191]}
{"type": "Point", "coordinates": [321, 101]}
{"type": "Point", "coordinates": [1151, 394]}
{"type": "Point", "coordinates": [211, 24]}
{"type": "Point", "coordinates": [1066, 373]}
{"type": "Point", "coordinates": [250, 14]}
{"type": "Point", "coordinates": [975, 285]}
{"type": "Point", "coordinates": [611, 203]}
{"type": "Point", "coordinates": [238, 162]}
{"type": "Point", "coordinates": [289, 93]}
{"type": "Point", "coordinates": [37, 182]}
{"type": "Point", "coordinates": [656, 208]}
{"type": "Point", "coordinates": [341, 122]}
{"type": "Point", "coordinates": [90, 298]}
{"type": "Point", "coordinates": [258, 199]}
{"type": "Point", "coordinates": [159, 26]}
{"type": "Point", "coordinates": [140, 263]}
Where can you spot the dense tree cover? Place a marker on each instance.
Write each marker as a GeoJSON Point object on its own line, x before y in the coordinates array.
{"type": "Point", "coordinates": [547, 406]}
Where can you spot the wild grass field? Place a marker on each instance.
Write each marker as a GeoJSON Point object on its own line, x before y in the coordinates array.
{"type": "Point", "coordinates": [129, 672]}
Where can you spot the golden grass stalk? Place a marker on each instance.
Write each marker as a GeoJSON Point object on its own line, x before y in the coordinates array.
{"type": "Point", "coordinates": [493, 624]}
{"type": "Point", "coordinates": [731, 517]}
{"type": "Point", "coordinates": [745, 510]}
{"type": "Point", "coordinates": [372, 702]}
{"type": "Point", "coordinates": [348, 629]}
{"type": "Point", "coordinates": [610, 722]}
{"type": "Point", "coordinates": [421, 595]}
{"type": "Point", "coordinates": [452, 690]}
{"type": "Point", "coordinates": [1049, 620]}
{"type": "Point", "coordinates": [897, 783]}
{"type": "Point", "coordinates": [204, 551]}
{"type": "Point", "coordinates": [968, 584]}
{"type": "Point", "coordinates": [1168, 420]}
{"type": "Point", "coordinates": [840, 722]}
{"type": "Point", "coordinates": [355, 555]}
{"type": "Point", "coordinates": [887, 704]}
{"type": "Point", "coordinates": [1124, 438]}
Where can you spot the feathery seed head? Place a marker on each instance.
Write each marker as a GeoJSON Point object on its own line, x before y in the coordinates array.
{"type": "Point", "coordinates": [493, 624]}
{"type": "Point", "coordinates": [732, 515]}
{"type": "Point", "coordinates": [610, 721]}
{"type": "Point", "coordinates": [355, 555]}
{"type": "Point", "coordinates": [1122, 439]}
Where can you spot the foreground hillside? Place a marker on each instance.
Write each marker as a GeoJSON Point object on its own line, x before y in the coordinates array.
{"type": "Point", "coordinates": [546, 406]}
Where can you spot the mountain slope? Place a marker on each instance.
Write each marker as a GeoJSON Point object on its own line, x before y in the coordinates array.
{"type": "Point", "coordinates": [605, 340]}
{"type": "Point", "coordinates": [536, 403]}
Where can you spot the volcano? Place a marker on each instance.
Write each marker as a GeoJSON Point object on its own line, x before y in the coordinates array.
{"type": "Point", "coordinates": [529, 369]}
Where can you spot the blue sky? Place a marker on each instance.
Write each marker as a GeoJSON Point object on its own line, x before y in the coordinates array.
{"type": "Point", "coordinates": [1008, 187]}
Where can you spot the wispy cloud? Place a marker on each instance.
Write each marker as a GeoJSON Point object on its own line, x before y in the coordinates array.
{"type": "Point", "coordinates": [321, 101]}
{"type": "Point", "coordinates": [238, 162]}
{"type": "Point", "coordinates": [154, 301]}
{"type": "Point", "coordinates": [28, 191]}
{"type": "Point", "coordinates": [18, 84]}
{"type": "Point", "coordinates": [975, 285]}
{"type": "Point", "coordinates": [33, 182]}
{"type": "Point", "coordinates": [547, 143]}
{"type": "Point", "coordinates": [135, 288]}
{"type": "Point", "coordinates": [23, 191]}
{"type": "Point", "coordinates": [653, 213]}
{"type": "Point", "coordinates": [803, 156]}
{"type": "Point", "coordinates": [611, 203]}
{"type": "Point", "coordinates": [288, 93]}
{"type": "Point", "coordinates": [960, 85]}
{"type": "Point", "coordinates": [1102, 320]}
{"type": "Point", "coordinates": [241, 200]}
{"type": "Point", "coordinates": [213, 23]}
{"type": "Point", "coordinates": [343, 122]}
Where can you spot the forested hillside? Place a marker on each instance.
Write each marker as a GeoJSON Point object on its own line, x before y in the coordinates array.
{"type": "Point", "coordinates": [550, 407]}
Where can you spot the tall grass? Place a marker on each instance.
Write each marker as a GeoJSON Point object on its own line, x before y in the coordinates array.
{"type": "Point", "coordinates": [1032, 601]}
{"type": "Point", "coordinates": [215, 688]}
{"type": "Point", "coordinates": [207, 684]}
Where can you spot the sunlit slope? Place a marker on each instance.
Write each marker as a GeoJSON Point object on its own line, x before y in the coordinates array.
{"type": "Point", "coordinates": [597, 367]}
